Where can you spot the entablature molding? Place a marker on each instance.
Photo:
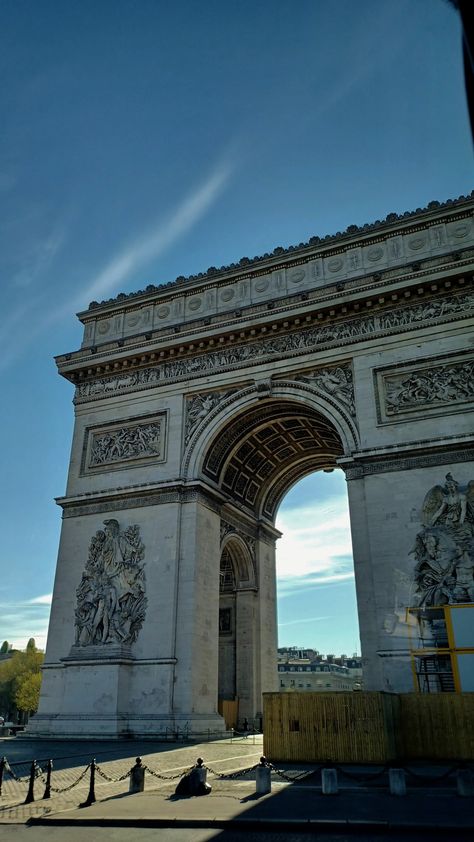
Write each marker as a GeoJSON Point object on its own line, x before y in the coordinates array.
{"type": "Point", "coordinates": [438, 227]}
{"type": "Point", "coordinates": [244, 322]}
{"type": "Point", "coordinates": [138, 495]}
{"type": "Point", "coordinates": [286, 338]}
{"type": "Point", "coordinates": [408, 456]}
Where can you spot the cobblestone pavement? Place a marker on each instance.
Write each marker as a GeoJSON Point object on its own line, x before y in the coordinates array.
{"type": "Point", "coordinates": [223, 756]}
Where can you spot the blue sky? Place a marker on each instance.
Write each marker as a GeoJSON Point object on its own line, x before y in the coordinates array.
{"type": "Point", "coordinates": [146, 140]}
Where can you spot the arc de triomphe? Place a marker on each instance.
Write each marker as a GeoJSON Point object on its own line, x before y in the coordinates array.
{"type": "Point", "coordinates": [198, 404]}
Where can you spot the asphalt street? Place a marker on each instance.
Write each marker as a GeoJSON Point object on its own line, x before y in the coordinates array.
{"type": "Point", "coordinates": [22, 833]}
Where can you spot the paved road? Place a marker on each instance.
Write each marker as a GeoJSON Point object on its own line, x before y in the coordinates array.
{"type": "Point", "coordinates": [20, 833]}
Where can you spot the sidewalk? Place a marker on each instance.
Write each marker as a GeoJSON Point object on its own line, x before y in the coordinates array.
{"type": "Point", "coordinates": [287, 807]}
{"type": "Point", "coordinates": [233, 803]}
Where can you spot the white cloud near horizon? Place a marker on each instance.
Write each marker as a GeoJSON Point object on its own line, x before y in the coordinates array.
{"type": "Point", "coordinates": [21, 620]}
{"type": "Point", "coordinates": [46, 599]}
{"type": "Point", "coordinates": [316, 545]}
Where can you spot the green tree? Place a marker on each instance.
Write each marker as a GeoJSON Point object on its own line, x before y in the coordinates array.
{"type": "Point", "coordinates": [5, 647]}
{"type": "Point", "coordinates": [12, 672]}
{"type": "Point", "coordinates": [31, 645]}
{"type": "Point", "coordinates": [27, 692]}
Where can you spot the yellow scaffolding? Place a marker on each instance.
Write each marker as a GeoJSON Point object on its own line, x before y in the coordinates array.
{"type": "Point", "coordinates": [442, 647]}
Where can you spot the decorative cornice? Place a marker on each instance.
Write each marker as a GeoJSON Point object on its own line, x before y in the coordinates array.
{"type": "Point", "coordinates": [382, 319]}
{"type": "Point", "coordinates": [403, 458]}
{"type": "Point", "coordinates": [246, 263]}
{"type": "Point", "coordinates": [330, 301]}
{"type": "Point", "coordinates": [135, 496]}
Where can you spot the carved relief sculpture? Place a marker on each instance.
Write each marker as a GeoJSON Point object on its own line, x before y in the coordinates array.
{"type": "Point", "coordinates": [444, 549]}
{"type": "Point", "coordinates": [336, 381]}
{"type": "Point", "coordinates": [126, 443]}
{"type": "Point", "coordinates": [111, 601]}
{"type": "Point", "coordinates": [444, 384]}
{"type": "Point", "coordinates": [199, 406]}
{"type": "Point", "coordinates": [291, 344]}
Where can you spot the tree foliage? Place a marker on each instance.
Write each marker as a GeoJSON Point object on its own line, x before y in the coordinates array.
{"type": "Point", "coordinates": [4, 647]}
{"type": "Point", "coordinates": [27, 692]}
{"type": "Point", "coordinates": [16, 678]}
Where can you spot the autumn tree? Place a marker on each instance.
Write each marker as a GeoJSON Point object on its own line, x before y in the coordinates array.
{"type": "Point", "coordinates": [27, 692]}
{"type": "Point", "coordinates": [16, 676]}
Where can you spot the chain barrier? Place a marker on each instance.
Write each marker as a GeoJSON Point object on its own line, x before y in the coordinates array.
{"type": "Point", "coordinates": [431, 778]}
{"type": "Point", "coordinates": [61, 789]}
{"type": "Point", "coordinates": [230, 776]}
{"type": "Point", "coordinates": [36, 772]}
{"type": "Point", "coordinates": [19, 780]}
{"type": "Point", "coordinates": [293, 778]}
{"type": "Point", "coordinates": [112, 780]}
{"type": "Point", "coordinates": [361, 778]}
{"type": "Point", "coordinates": [167, 777]}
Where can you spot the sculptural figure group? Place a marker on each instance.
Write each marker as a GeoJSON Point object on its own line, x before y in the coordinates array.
{"type": "Point", "coordinates": [444, 548]}
{"type": "Point", "coordinates": [111, 599]}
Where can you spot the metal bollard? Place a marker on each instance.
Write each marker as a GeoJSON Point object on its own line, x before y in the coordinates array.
{"type": "Point", "coordinates": [329, 782]}
{"type": "Point", "coordinates": [47, 789]}
{"type": "Point", "coordinates": [201, 770]}
{"type": "Point", "coordinates": [3, 763]}
{"type": "Point", "coordinates": [263, 777]}
{"type": "Point", "coordinates": [397, 782]}
{"type": "Point", "coordinates": [137, 777]}
{"type": "Point", "coordinates": [465, 783]}
{"type": "Point", "coordinates": [30, 795]}
{"type": "Point", "coordinates": [91, 797]}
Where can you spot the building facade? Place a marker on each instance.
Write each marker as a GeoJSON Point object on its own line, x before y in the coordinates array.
{"type": "Point", "coordinates": [198, 404]}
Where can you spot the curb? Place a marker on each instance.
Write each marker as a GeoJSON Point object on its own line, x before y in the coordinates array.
{"type": "Point", "coordinates": [287, 825]}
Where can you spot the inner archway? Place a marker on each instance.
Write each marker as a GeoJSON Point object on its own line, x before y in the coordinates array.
{"type": "Point", "coordinates": [253, 459]}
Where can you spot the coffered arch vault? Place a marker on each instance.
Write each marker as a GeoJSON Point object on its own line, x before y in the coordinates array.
{"type": "Point", "coordinates": [258, 446]}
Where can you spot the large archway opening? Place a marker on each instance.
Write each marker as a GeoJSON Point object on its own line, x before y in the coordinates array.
{"type": "Point", "coordinates": [253, 459]}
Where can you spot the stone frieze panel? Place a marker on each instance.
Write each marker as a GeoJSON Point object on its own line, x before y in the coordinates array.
{"type": "Point", "coordinates": [125, 444]}
{"type": "Point", "coordinates": [289, 345]}
{"type": "Point", "coordinates": [427, 388]}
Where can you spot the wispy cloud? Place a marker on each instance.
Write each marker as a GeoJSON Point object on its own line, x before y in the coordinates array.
{"type": "Point", "coordinates": [39, 257]}
{"type": "Point", "coordinates": [120, 268]}
{"type": "Point", "coordinates": [46, 599]}
{"type": "Point", "coordinates": [303, 620]}
{"type": "Point", "coordinates": [158, 238]}
{"type": "Point", "coordinates": [24, 619]}
{"type": "Point", "coordinates": [302, 584]}
{"type": "Point", "coordinates": [316, 543]}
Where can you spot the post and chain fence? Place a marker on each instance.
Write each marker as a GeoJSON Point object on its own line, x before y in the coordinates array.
{"type": "Point", "coordinates": [37, 774]}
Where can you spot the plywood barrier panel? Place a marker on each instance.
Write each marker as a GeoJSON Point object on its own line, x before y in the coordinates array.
{"type": "Point", "coordinates": [229, 710]}
{"type": "Point", "coordinates": [343, 727]}
{"type": "Point", "coordinates": [437, 726]}
{"type": "Point", "coordinates": [368, 727]}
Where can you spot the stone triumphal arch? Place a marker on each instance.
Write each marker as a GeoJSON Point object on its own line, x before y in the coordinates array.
{"type": "Point", "coordinates": [198, 404]}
